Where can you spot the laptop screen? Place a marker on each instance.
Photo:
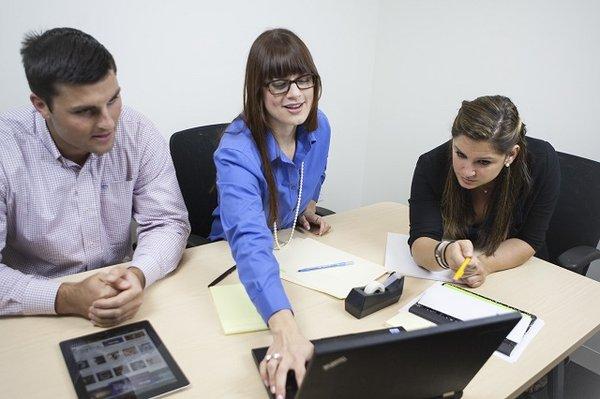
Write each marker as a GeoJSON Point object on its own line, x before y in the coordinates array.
{"type": "Point", "coordinates": [390, 363]}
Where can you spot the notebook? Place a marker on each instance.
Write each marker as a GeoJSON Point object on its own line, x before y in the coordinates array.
{"type": "Point", "coordinates": [446, 303]}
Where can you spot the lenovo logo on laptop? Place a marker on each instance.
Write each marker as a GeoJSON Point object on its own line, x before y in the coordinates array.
{"type": "Point", "coordinates": [335, 363]}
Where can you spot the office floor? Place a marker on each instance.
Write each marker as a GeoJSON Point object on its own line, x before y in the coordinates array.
{"type": "Point", "coordinates": [580, 383]}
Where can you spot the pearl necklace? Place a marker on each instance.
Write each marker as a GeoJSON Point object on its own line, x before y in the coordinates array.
{"type": "Point", "coordinates": [283, 244]}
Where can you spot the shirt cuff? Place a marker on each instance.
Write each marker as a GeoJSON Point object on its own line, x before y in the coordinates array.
{"type": "Point", "coordinates": [149, 266]}
{"type": "Point", "coordinates": [270, 301]}
{"type": "Point", "coordinates": [41, 296]}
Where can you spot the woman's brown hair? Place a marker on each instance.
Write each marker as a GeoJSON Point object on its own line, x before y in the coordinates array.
{"type": "Point", "coordinates": [276, 53]}
{"type": "Point", "coordinates": [494, 119]}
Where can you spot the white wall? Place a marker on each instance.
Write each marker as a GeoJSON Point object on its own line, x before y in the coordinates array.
{"type": "Point", "coordinates": [430, 55]}
{"type": "Point", "coordinates": [182, 62]}
{"type": "Point", "coordinates": [394, 72]}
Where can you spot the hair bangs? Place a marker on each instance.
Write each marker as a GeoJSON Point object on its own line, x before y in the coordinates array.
{"type": "Point", "coordinates": [285, 58]}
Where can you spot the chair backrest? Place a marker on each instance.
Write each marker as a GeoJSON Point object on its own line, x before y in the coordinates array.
{"type": "Point", "coordinates": [192, 152]}
{"type": "Point", "coordinates": [576, 219]}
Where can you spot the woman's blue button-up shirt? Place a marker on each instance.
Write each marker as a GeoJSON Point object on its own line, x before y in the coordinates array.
{"type": "Point", "coordinates": [241, 217]}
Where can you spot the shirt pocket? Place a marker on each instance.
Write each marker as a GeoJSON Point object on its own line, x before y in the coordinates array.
{"type": "Point", "coordinates": [116, 210]}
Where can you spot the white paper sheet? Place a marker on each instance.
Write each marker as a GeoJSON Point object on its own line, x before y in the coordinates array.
{"type": "Point", "coordinates": [399, 259]}
{"type": "Point", "coordinates": [336, 281]}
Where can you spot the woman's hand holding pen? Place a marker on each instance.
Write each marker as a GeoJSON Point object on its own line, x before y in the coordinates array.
{"type": "Point", "coordinates": [475, 272]}
{"type": "Point", "coordinates": [290, 350]}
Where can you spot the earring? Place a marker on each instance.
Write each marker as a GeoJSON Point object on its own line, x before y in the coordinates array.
{"type": "Point", "coordinates": [507, 164]}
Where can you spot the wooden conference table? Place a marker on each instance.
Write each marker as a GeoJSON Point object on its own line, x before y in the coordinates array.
{"type": "Point", "coordinates": [219, 366]}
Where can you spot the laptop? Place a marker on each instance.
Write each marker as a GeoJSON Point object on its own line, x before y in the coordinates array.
{"type": "Point", "coordinates": [436, 362]}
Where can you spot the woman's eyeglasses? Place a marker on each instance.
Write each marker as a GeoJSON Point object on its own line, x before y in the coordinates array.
{"type": "Point", "coordinates": [278, 87]}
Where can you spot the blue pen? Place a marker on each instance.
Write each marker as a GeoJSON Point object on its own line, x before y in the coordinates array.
{"type": "Point", "coordinates": [327, 266]}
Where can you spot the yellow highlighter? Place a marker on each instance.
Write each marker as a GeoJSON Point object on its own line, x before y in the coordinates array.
{"type": "Point", "coordinates": [461, 270]}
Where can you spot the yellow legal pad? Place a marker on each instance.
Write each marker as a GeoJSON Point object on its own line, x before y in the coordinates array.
{"type": "Point", "coordinates": [236, 311]}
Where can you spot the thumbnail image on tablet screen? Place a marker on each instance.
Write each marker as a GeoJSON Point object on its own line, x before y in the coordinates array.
{"type": "Point", "coordinates": [124, 362]}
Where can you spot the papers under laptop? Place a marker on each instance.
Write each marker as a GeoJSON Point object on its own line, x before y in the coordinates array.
{"type": "Point", "coordinates": [446, 303]}
{"type": "Point", "coordinates": [393, 363]}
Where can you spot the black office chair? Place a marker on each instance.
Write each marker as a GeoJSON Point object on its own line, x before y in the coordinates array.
{"type": "Point", "coordinates": [574, 229]}
{"type": "Point", "coordinates": [192, 152]}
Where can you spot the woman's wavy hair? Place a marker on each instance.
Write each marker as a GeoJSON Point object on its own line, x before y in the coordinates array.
{"type": "Point", "coordinates": [494, 119]}
{"type": "Point", "coordinates": [276, 53]}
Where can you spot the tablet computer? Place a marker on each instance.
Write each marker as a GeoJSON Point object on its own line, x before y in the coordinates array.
{"type": "Point", "coordinates": [129, 361]}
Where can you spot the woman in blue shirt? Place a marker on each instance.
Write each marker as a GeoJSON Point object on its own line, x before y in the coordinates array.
{"type": "Point", "coordinates": [270, 167]}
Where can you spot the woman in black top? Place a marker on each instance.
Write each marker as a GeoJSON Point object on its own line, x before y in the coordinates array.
{"type": "Point", "coordinates": [488, 188]}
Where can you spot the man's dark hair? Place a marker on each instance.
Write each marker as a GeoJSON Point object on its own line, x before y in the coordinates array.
{"type": "Point", "coordinates": [63, 55]}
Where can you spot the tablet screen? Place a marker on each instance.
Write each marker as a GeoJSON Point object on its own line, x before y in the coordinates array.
{"type": "Point", "coordinates": [124, 362]}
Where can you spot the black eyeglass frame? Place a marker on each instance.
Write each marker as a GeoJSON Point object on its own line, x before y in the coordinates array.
{"type": "Point", "coordinates": [290, 82]}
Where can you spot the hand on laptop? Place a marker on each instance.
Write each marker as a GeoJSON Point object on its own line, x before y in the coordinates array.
{"type": "Point", "coordinates": [290, 350]}
{"type": "Point", "coordinates": [109, 311]}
